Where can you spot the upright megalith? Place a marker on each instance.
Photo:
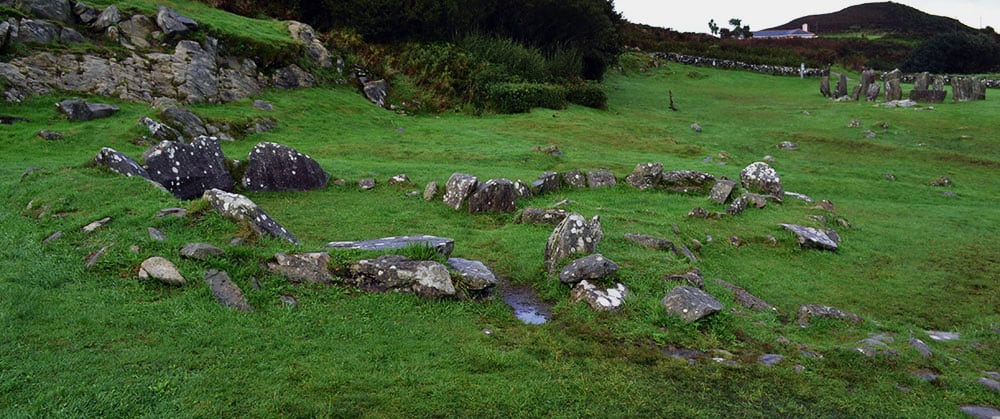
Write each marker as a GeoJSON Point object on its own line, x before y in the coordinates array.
{"type": "Point", "coordinates": [645, 175]}
{"type": "Point", "coordinates": [496, 195]}
{"type": "Point", "coordinates": [458, 189]}
{"type": "Point", "coordinates": [967, 89]}
{"type": "Point", "coordinates": [276, 167]}
{"type": "Point", "coordinates": [893, 85]}
{"type": "Point", "coordinates": [574, 235]}
{"type": "Point", "coordinates": [241, 209]}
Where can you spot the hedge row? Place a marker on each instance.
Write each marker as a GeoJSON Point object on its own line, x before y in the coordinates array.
{"type": "Point", "coordinates": [521, 97]}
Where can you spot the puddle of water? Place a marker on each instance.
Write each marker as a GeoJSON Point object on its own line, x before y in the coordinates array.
{"type": "Point", "coordinates": [527, 307]}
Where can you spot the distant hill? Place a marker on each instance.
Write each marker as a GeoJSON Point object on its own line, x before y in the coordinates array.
{"type": "Point", "coordinates": [887, 17]}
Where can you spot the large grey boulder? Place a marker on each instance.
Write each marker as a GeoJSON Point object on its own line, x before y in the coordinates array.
{"type": "Point", "coordinates": [814, 238]}
{"type": "Point", "coordinates": [310, 268]}
{"type": "Point", "coordinates": [79, 110]}
{"type": "Point", "coordinates": [195, 73]}
{"type": "Point", "coordinates": [442, 245]}
{"type": "Point", "coordinates": [119, 163]}
{"type": "Point", "coordinates": [601, 178]}
{"type": "Point", "coordinates": [162, 270]}
{"type": "Point", "coordinates": [292, 77]}
{"type": "Point", "coordinates": [600, 299]}
{"type": "Point", "coordinates": [574, 235]}
{"type": "Point", "coordinates": [185, 121]}
{"type": "Point", "coordinates": [965, 89]}
{"type": "Point", "coordinates": [242, 210]}
{"type": "Point", "coordinates": [546, 182]}
{"type": "Point", "coordinates": [57, 10]}
{"type": "Point", "coordinates": [645, 175]}
{"type": "Point", "coordinates": [108, 17]}
{"type": "Point", "coordinates": [188, 170]}
{"type": "Point", "coordinates": [759, 177]}
{"type": "Point", "coordinates": [809, 311]}
{"type": "Point", "coordinates": [69, 35]}
{"type": "Point", "coordinates": [276, 167]}
{"type": "Point", "coordinates": [594, 267]}
{"type": "Point", "coordinates": [496, 195]}
{"type": "Point", "coordinates": [722, 191]}
{"type": "Point", "coordinates": [225, 291]}
{"type": "Point", "coordinates": [893, 85]}
{"type": "Point", "coordinates": [174, 24]}
{"type": "Point", "coordinates": [458, 189]}
{"type": "Point", "coordinates": [137, 30]}
{"type": "Point", "coordinates": [161, 131]}
{"type": "Point", "coordinates": [425, 278]}
{"type": "Point", "coordinates": [315, 50]}
{"type": "Point", "coordinates": [32, 31]}
{"type": "Point", "coordinates": [574, 179]}
{"type": "Point", "coordinates": [84, 13]}
{"type": "Point", "coordinates": [475, 275]}
{"type": "Point", "coordinates": [550, 216]}
{"type": "Point", "coordinates": [690, 303]}
{"type": "Point", "coordinates": [687, 181]}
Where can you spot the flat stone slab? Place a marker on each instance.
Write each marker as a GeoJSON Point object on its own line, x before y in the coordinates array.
{"type": "Point", "coordinates": [942, 336]}
{"type": "Point", "coordinates": [981, 412]}
{"type": "Point", "coordinates": [814, 238]}
{"type": "Point", "coordinates": [475, 275]}
{"type": "Point", "coordinates": [442, 245]}
{"type": "Point", "coordinates": [225, 291]}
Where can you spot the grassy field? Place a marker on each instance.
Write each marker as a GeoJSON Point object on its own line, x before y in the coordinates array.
{"type": "Point", "coordinates": [86, 342]}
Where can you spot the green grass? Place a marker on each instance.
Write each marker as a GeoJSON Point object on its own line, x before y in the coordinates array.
{"type": "Point", "coordinates": [85, 342]}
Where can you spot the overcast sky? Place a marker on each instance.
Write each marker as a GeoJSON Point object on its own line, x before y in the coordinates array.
{"type": "Point", "coordinates": [693, 16]}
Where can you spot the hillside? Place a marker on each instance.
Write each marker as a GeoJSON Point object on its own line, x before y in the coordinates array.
{"type": "Point", "coordinates": [886, 17]}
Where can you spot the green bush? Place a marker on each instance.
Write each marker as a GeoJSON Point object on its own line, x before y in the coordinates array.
{"type": "Point", "coordinates": [521, 97]}
{"type": "Point", "coordinates": [512, 62]}
{"type": "Point", "coordinates": [591, 95]}
{"type": "Point", "coordinates": [565, 64]}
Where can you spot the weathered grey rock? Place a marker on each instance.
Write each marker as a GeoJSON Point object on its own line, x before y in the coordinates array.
{"type": "Point", "coordinates": [922, 81]}
{"type": "Point", "coordinates": [943, 336]}
{"type": "Point", "coordinates": [787, 145]}
{"type": "Point", "coordinates": [921, 347]}
{"type": "Point", "coordinates": [293, 77]}
{"type": "Point", "coordinates": [687, 181]}
{"type": "Point", "coordinates": [550, 216]}
{"type": "Point", "coordinates": [690, 303]}
{"type": "Point", "coordinates": [58, 10]}
{"type": "Point", "coordinates": [108, 17]}
{"type": "Point", "coordinates": [964, 89]}
{"type": "Point", "coordinates": [400, 179]}
{"type": "Point", "coordinates": [185, 121]}
{"type": "Point", "coordinates": [458, 189]}
{"type": "Point", "coordinates": [496, 195]}
{"type": "Point", "coordinates": [84, 13]}
{"type": "Point", "coordinates": [928, 96]}
{"type": "Point", "coordinates": [137, 30]}
{"type": "Point", "coordinates": [645, 175]}
{"type": "Point", "coordinates": [430, 191]}
{"type": "Point", "coordinates": [69, 35]}
{"type": "Point", "coordinates": [174, 24]}
{"type": "Point", "coordinates": [263, 105]}
{"type": "Point", "coordinates": [156, 235]}
{"type": "Point", "coordinates": [201, 251]}
{"type": "Point", "coordinates": [4, 33]}
{"type": "Point", "coordinates": [522, 189]}
{"type": "Point", "coordinates": [771, 360]}
{"type": "Point", "coordinates": [52, 237]}
{"type": "Point", "coordinates": [425, 278]}
{"type": "Point", "coordinates": [276, 167]}
{"type": "Point", "coordinates": [981, 412]}
{"type": "Point", "coordinates": [810, 311]}
{"type": "Point", "coordinates": [226, 292]}
{"type": "Point", "coordinates": [574, 179]}
{"type": "Point", "coordinates": [188, 170]}
{"type": "Point", "coordinates": [841, 89]}
{"type": "Point", "coordinates": [195, 73]}
{"type": "Point", "coordinates": [119, 163]}
{"type": "Point", "coordinates": [550, 149]}
{"type": "Point", "coordinates": [745, 299]}
{"type": "Point", "coordinates": [79, 110]}
{"type": "Point", "coordinates": [814, 238]}
{"type": "Point", "coordinates": [475, 275]}
{"type": "Point", "coordinates": [594, 267]}
{"type": "Point", "coordinates": [309, 268]}
{"type": "Point", "coordinates": [93, 226]}
{"type": "Point", "coordinates": [696, 127]}
{"type": "Point", "coordinates": [600, 299]}
{"type": "Point", "coordinates": [601, 178]}
{"type": "Point", "coordinates": [546, 182]}
{"type": "Point", "coordinates": [377, 92]}
{"type": "Point", "coordinates": [161, 270]}
{"type": "Point", "coordinates": [241, 209]}
{"type": "Point", "coordinates": [722, 191]}
{"type": "Point", "coordinates": [160, 131]}
{"type": "Point", "coordinates": [93, 258]}
{"type": "Point", "coordinates": [989, 383]}
{"type": "Point", "coordinates": [941, 181]}
{"type": "Point", "coordinates": [867, 80]}
{"type": "Point", "coordinates": [737, 206]}
{"type": "Point", "coordinates": [651, 242]}
{"type": "Point", "coordinates": [759, 177]}
{"type": "Point", "coordinates": [315, 50]}
{"type": "Point", "coordinates": [442, 245]}
{"type": "Point", "coordinates": [893, 85]}
{"type": "Point", "coordinates": [172, 212]}
{"type": "Point", "coordinates": [691, 278]}
{"type": "Point", "coordinates": [824, 86]}
{"type": "Point", "coordinates": [366, 184]}
{"type": "Point", "coordinates": [574, 235]}
{"type": "Point", "coordinates": [873, 91]}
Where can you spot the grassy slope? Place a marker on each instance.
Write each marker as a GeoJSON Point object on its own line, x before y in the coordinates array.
{"type": "Point", "coordinates": [88, 342]}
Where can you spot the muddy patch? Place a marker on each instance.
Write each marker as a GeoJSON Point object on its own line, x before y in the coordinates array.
{"type": "Point", "coordinates": [526, 305]}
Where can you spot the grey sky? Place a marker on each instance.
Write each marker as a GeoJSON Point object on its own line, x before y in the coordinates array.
{"type": "Point", "coordinates": [693, 16]}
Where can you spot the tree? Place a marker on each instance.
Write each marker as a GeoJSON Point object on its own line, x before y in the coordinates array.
{"type": "Point", "coordinates": [955, 52]}
{"type": "Point", "coordinates": [739, 30]}
{"type": "Point", "coordinates": [714, 27]}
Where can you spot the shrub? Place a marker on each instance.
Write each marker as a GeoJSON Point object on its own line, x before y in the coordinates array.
{"type": "Point", "coordinates": [521, 97]}
{"type": "Point", "coordinates": [955, 53]}
{"type": "Point", "coordinates": [512, 61]}
{"type": "Point", "coordinates": [591, 95]}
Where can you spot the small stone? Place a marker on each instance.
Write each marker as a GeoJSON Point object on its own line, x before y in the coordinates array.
{"type": "Point", "coordinates": [921, 347]}
{"type": "Point", "coordinates": [161, 270]}
{"type": "Point", "coordinates": [226, 292]}
{"type": "Point", "coordinates": [52, 237]}
{"type": "Point", "coordinates": [366, 184]}
{"type": "Point", "coordinates": [49, 135]}
{"type": "Point", "coordinates": [981, 412]}
{"type": "Point", "coordinates": [289, 300]}
{"type": "Point", "coordinates": [926, 375]}
{"type": "Point", "coordinates": [799, 368]}
{"type": "Point", "coordinates": [942, 336]}
{"type": "Point", "coordinates": [89, 228]}
{"type": "Point", "coordinates": [430, 191]}
{"type": "Point", "coordinates": [941, 181]}
{"type": "Point", "coordinates": [399, 179]}
{"type": "Point", "coordinates": [787, 145]}
{"type": "Point", "coordinates": [156, 234]}
{"type": "Point", "coordinates": [771, 360]}
{"type": "Point", "coordinates": [990, 384]}
{"type": "Point", "coordinates": [172, 212]}
{"type": "Point", "coordinates": [695, 127]}
{"type": "Point", "coordinates": [260, 104]}
{"type": "Point", "coordinates": [200, 251]}
{"type": "Point", "coordinates": [94, 257]}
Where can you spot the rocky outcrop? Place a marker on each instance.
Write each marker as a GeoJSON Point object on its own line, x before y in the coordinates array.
{"type": "Point", "coordinates": [574, 235]}
{"type": "Point", "coordinates": [188, 170]}
{"type": "Point", "coordinates": [185, 121]}
{"type": "Point", "coordinates": [174, 24]}
{"type": "Point", "coordinates": [441, 245]}
{"type": "Point", "coordinates": [242, 210]}
{"type": "Point", "coordinates": [58, 10]}
{"type": "Point", "coordinates": [425, 278]}
{"type": "Point", "coordinates": [315, 50]}
{"type": "Point", "coordinates": [275, 167]}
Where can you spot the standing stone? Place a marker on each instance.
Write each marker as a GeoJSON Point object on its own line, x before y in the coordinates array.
{"type": "Point", "coordinates": [546, 182]}
{"type": "Point", "coordinates": [310, 268]}
{"type": "Point", "coordinates": [425, 278]}
{"type": "Point", "coordinates": [173, 23]}
{"type": "Point", "coordinates": [475, 275]}
{"type": "Point", "coordinates": [593, 267]}
{"type": "Point", "coordinates": [871, 94]}
{"type": "Point", "coordinates": [722, 191]}
{"type": "Point", "coordinates": [928, 96]}
{"type": "Point", "coordinates": [227, 293]}
{"type": "Point", "coordinates": [574, 235]}
{"type": "Point", "coordinates": [58, 10]}
{"type": "Point", "coordinates": [458, 189]}
{"type": "Point", "coordinates": [241, 209]}
{"type": "Point", "coordinates": [188, 170]}
{"type": "Point", "coordinates": [645, 175]}
{"type": "Point", "coordinates": [601, 178]}
{"type": "Point", "coordinates": [966, 89]}
{"type": "Point", "coordinates": [841, 89]}
{"type": "Point", "coordinates": [824, 86]}
{"type": "Point", "coordinates": [893, 85]}
{"type": "Point", "coordinates": [922, 81]}
{"type": "Point", "coordinates": [597, 298]}
{"type": "Point", "coordinates": [761, 178]}
{"type": "Point", "coordinates": [574, 179]}
{"type": "Point", "coordinates": [496, 195]}
{"type": "Point", "coordinates": [690, 303]}
{"type": "Point", "coordinates": [119, 163]}
{"type": "Point", "coordinates": [430, 191]}
{"type": "Point", "coordinates": [867, 80]}
{"type": "Point", "coordinates": [161, 270]}
{"type": "Point", "coordinates": [275, 167]}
